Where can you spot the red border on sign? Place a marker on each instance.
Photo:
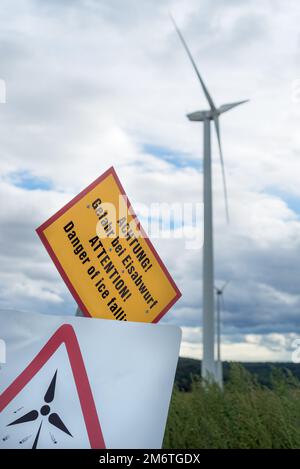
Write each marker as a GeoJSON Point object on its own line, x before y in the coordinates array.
{"type": "Point", "coordinates": [40, 232]}
{"type": "Point", "coordinates": [64, 335]}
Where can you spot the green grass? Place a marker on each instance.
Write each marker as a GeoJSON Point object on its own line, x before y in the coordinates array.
{"type": "Point", "coordinates": [246, 414]}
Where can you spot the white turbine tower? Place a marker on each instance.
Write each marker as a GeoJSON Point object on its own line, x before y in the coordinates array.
{"type": "Point", "coordinates": [209, 370]}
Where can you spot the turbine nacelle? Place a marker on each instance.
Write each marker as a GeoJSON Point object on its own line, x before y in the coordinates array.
{"type": "Point", "coordinates": [200, 116]}
{"type": "Point", "coordinates": [211, 114]}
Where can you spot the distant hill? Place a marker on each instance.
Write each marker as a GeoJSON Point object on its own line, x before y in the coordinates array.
{"type": "Point", "coordinates": [188, 368]}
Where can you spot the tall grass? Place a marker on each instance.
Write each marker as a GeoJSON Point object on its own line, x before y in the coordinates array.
{"type": "Point", "coordinates": [244, 415]}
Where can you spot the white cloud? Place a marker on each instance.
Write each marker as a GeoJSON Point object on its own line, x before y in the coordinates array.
{"type": "Point", "coordinates": [90, 83]}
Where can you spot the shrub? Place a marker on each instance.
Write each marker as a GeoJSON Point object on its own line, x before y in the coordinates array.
{"type": "Point", "coordinates": [245, 414]}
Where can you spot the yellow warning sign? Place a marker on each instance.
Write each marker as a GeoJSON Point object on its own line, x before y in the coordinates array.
{"type": "Point", "coordinates": [105, 257]}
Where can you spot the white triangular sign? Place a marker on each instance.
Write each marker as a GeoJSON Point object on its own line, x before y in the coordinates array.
{"type": "Point", "coordinates": [82, 383]}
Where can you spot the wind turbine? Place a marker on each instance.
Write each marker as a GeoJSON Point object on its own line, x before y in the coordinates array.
{"type": "Point", "coordinates": [209, 370]}
{"type": "Point", "coordinates": [220, 303]}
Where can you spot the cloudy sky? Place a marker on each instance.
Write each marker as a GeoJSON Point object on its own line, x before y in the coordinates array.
{"type": "Point", "coordinates": [94, 83]}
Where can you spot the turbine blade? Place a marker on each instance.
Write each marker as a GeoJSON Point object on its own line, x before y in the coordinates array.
{"type": "Point", "coordinates": [227, 107]}
{"type": "Point", "coordinates": [55, 420]}
{"type": "Point", "coordinates": [217, 126]}
{"type": "Point", "coordinates": [224, 286]}
{"type": "Point", "coordinates": [218, 308]}
{"type": "Point", "coordinates": [34, 446]}
{"type": "Point", "coordinates": [49, 396]}
{"type": "Point", "coordinates": [223, 303]}
{"type": "Point", "coordinates": [205, 90]}
{"type": "Point", "coordinates": [29, 417]}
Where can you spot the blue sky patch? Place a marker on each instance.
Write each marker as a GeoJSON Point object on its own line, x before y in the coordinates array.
{"type": "Point", "coordinates": [178, 159]}
{"type": "Point", "coordinates": [292, 201]}
{"type": "Point", "coordinates": [26, 180]}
